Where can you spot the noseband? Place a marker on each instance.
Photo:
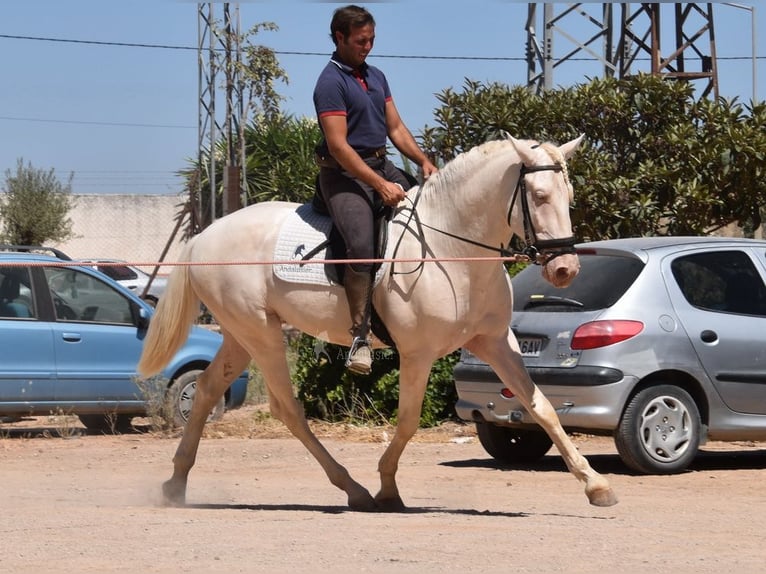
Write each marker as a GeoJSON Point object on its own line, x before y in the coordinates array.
{"type": "Point", "coordinates": [539, 251]}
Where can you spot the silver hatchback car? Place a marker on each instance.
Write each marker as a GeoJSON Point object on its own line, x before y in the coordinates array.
{"type": "Point", "coordinates": [659, 342]}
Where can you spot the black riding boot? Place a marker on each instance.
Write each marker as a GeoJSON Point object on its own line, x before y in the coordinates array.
{"type": "Point", "coordinates": [358, 287]}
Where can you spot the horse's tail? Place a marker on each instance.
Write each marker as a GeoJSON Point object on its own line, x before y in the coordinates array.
{"type": "Point", "coordinates": [177, 309]}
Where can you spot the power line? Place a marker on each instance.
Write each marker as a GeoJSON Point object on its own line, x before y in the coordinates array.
{"type": "Point", "coordinates": [96, 42]}
{"type": "Point", "coordinates": [278, 52]}
{"type": "Point", "coordinates": [322, 54]}
{"type": "Point", "coordinates": [92, 123]}
{"type": "Point", "coordinates": [121, 171]}
{"type": "Point", "coordinates": [126, 184]}
{"type": "Point", "coordinates": [148, 176]}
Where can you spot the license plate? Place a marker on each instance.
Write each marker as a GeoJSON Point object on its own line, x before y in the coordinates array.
{"type": "Point", "coordinates": [530, 347]}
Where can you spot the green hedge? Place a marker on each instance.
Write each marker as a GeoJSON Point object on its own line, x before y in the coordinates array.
{"type": "Point", "coordinates": [329, 392]}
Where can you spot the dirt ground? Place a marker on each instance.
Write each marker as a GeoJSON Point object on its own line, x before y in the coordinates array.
{"type": "Point", "coordinates": [257, 502]}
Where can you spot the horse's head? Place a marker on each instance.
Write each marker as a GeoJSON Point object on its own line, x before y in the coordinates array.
{"type": "Point", "coordinates": [545, 194]}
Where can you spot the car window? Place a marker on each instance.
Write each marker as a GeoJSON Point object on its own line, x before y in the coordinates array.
{"type": "Point", "coordinates": [16, 299]}
{"type": "Point", "coordinates": [723, 281]}
{"type": "Point", "coordinates": [602, 280]}
{"type": "Point", "coordinates": [80, 297]}
{"type": "Point", "coordinates": [117, 272]}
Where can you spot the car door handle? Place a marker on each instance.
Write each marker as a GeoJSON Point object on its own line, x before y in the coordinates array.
{"type": "Point", "coordinates": [71, 337]}
{"type": "Point", "coordinates": [708, 336]}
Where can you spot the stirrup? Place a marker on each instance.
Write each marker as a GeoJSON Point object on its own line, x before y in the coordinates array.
{"type": "Point", "coordinates": [359, 357]}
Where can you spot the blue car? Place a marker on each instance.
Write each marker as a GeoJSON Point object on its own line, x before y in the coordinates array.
{"type": "Point", "coordinates": [70, 340]}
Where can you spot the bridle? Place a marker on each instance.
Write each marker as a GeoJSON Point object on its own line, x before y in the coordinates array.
{"type": "Point", "coordinates": [537, 251]}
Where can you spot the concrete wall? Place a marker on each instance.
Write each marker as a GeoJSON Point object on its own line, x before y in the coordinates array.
{"type": "Point", "coordinates": [131, 227]}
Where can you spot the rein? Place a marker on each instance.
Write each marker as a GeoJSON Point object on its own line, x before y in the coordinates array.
{"type": "Point", "coordinates": [537, 251]}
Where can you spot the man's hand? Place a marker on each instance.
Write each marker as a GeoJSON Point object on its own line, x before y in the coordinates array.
{"type": "Point", "coordinates": [428, 169]}
{"type": "Point", "coordinates": [392, 193]}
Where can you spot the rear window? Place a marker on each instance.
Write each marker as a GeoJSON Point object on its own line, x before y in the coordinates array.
{"type": "Point", "coordinates": [602, 280]}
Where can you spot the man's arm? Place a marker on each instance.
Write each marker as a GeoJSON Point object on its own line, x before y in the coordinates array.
{"type": "Point", "coordinates": [335, 130]}
{"type": "Point", "coordinates": [404, 141]}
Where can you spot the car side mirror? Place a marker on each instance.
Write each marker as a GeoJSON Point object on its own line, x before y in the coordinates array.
{"type": "Point", "coordinates": [143, 318]}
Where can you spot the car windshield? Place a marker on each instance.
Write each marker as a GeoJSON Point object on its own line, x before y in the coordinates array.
{"type": "Point", "coordinates": [601, 282]}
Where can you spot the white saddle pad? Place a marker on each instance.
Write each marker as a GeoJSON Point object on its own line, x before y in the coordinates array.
{"type": "Point", "coordinates": [302, 231]}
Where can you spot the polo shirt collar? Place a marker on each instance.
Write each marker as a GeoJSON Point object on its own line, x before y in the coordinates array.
{"type": "Point", "coordinates": [335, 59]}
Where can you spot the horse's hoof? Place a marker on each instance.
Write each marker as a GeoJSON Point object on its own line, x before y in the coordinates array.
{"type": "Point", "coordinates": [362, 502]}
{"type": "Point", "coordinates": [602, 497]}
{"type": "Point", "coordinates": [395, 504]}
{"type": "Point", "coordinates": [173, 493]}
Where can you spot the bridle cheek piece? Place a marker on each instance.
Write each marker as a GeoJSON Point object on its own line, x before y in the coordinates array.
{"type": "Point", "coordinates": [539, 251]}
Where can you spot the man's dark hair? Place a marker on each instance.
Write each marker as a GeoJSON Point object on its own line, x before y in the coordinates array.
{"type": "Point", "coordinates": [348, 17]}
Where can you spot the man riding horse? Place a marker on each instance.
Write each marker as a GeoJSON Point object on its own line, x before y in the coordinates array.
{"type": "Point", "coordinates": [356, 114]}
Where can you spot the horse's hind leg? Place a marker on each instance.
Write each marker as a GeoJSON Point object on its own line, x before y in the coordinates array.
{"type": "Point", "coordinates": [269, 353]}
{"type": "Point", "coordinates": [227, 365]}
{"type": "Point", "coordinates": [503, 355]}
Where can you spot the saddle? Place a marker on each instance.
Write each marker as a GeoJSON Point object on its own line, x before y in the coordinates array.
{"type": "Point", "coordinates": [335, 246]}
{"type": "Point", "coordinates": [309, 234]}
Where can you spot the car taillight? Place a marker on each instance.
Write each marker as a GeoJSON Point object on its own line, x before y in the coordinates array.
{"type": "Point", "coordinates": [602, 333]}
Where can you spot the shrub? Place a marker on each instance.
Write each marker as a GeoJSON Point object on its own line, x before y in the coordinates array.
{"type": "Point", "coordinates": [329, 392]}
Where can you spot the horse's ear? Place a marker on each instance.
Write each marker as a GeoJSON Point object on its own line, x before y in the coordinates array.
{"type": "Point", "coordinates": [523, 149]}
{"type": "Point", "coordinates": [568, 149]}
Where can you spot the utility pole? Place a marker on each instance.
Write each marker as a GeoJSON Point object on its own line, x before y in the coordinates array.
{"type": "Point", "coordinates": [637, 32]}
{"type": "Point", "coordinates": [232, 176]}
{"type": "Point", "coordinates": [219, 47]}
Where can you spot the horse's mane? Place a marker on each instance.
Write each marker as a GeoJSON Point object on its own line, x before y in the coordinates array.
{"type": "Point", "coordinates": [463, 163]}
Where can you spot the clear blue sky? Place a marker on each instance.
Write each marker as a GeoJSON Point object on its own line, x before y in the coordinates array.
{"type": "Point", "coordinates": [124, 118]}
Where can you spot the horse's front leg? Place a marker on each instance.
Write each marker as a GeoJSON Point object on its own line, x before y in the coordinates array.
{"type": "Point", "coordinates": [504, 356]}
{"type": "Point", "coordinates": [228, 363]}
{"type": "Point", "coordinates": [413, 378]}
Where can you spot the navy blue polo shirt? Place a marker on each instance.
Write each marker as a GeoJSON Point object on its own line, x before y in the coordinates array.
{"type": "Point", "coordinates": [360, 96]}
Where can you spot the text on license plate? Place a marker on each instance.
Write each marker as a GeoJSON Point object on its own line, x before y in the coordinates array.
{"type": "Point", "coordinates": [530, 347]}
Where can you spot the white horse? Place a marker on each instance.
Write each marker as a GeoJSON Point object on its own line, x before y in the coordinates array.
{"type": "Point", "coordinates": [430, 310]}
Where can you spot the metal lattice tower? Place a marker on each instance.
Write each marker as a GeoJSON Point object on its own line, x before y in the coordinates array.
{"type": "Point", "coordinates": [618, 36]}
{"type": "Point", "coordinates": [219, 49]}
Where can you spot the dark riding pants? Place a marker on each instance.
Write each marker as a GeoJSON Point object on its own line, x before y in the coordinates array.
{"type": "Point", "coordinates": [354, 205]}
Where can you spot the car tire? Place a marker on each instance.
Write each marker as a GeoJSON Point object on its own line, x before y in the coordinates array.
{"type": "Point", "coordinates": [181, 395]}
{"type": "Point", "coordinates": [107, 423]}
{"type": "Point", "coordinates": [659, 432]}
{"type": "Point", "coordinates": [512, 445]}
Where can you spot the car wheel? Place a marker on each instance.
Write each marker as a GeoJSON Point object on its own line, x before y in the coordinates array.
{"type": "Point", "coordinates": [512, 445]}
{"type": "Point", "coordinates": [659, 432]}
{"type": "Point", "coordinates": [107, 423]}
{"type": "Point", "coordinates": [182, 395]}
